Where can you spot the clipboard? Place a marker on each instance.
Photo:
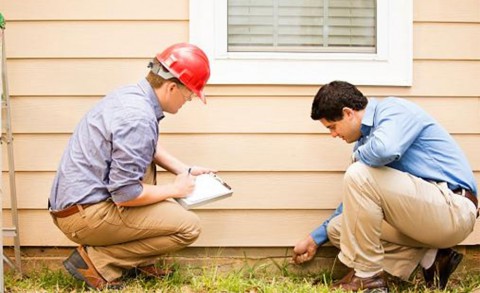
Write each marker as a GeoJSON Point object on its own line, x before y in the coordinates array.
{"type": "Point", "coordinates": [208, 188]}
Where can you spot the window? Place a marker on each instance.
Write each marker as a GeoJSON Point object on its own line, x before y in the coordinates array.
{"type": "Point", "coordinates": [365, 42]}
{"type": "Point", "coordinates": [301, 26]}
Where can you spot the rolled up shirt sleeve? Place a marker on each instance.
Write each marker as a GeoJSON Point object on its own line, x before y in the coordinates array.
{"type": "Point", "coordinates": [133, 147]}
{"type": "Point", "coordinates": [320, 235]}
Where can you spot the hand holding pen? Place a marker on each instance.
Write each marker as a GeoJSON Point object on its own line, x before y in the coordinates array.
{"type": "Point", "coordinates": [184, 183]}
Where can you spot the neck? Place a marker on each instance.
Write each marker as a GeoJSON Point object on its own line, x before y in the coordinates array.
{"type": "Point", "coordinates": [161, 93]}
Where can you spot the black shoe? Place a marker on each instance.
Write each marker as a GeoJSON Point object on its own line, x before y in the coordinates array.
{"type": "Point", "coordinates": [446, 262]}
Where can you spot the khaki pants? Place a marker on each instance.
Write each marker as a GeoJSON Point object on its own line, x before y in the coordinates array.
{"type": "Point", "coordinates": [391, 218]}
{"type": "Point", "coordinates": [119, 238]}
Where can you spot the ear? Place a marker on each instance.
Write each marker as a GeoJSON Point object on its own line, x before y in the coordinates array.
{"type": "Point", "coordinates": [171, 86]}
{"type": "Point", "coordinates": [348, 112]}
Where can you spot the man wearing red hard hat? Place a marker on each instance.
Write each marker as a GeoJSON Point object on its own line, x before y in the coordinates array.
{"type": "Point", "coordinates": [104, 195]}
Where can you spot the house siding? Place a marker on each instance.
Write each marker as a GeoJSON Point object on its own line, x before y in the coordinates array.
{"type": "Point", "coordinates": [286, 170]}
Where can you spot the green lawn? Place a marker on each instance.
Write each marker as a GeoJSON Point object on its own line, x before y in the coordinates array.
{"type": "Point", "coordinates": [257, 278]}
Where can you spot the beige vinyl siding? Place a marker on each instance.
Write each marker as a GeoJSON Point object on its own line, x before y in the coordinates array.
{"type": "Point", "coordinates": [285, 169]}
{"type": "Point", "coordinates": [453, 41]}
{"type": "Point", "coordinates": [311, 190]}
{"type": "Point", "coordinates": [271, 114]}
{"type": "Point", "coordinates": [443, 11]}
{"type": "Point", "coordinates": [243, 220]}
{"type": "Point", "coordinates": [64, 77]}
{"type": "Point", "coordinates": [228, 152]}
{"type": "Point", "coordinates": [92, 39]}
{"type": "Point", "coordinates": [28, 10]}
{"type": "Point", "coordinates": [228, 228]}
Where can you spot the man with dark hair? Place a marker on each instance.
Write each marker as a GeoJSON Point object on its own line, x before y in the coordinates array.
{"type": "Point", "coordinates": [408, 195]}
{"type": "Point", "coordinates": [104, 195]}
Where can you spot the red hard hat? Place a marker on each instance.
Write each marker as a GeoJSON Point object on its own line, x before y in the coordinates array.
{"type": "Point", "coordinates": [189, 64]}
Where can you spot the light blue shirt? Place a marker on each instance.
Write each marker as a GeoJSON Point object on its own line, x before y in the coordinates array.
{"type": "Point", "coordinates": [110, 149]}
{"type": "Point", "coordinates": [399, 134]}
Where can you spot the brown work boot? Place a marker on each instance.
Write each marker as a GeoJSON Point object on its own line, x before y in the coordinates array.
{"type": "Point", "coordinates": [150, 271]}
{"type": "Point", "coordinates": [350, 282]}
{"type": "Point", "coordinates": [79, 265]}
{"type": "Point", "coordinates": [446, 262]}
{"type": "Point", "coordinates": [345, 279]}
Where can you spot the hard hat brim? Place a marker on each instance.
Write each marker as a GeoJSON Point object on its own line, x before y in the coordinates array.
{"type": "Point", "coordinates": [202, 97]}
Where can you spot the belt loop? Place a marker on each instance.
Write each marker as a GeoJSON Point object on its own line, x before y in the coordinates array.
{"type": "Point", "coordinates": [445, 191]}
{"type": "Point", "coordinates": [463, 191]}
{"type": "Point", "coordinates": [81, 211]}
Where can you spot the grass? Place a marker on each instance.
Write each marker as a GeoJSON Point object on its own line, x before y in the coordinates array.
{"type": "Point", "coordinates": [262, 277]}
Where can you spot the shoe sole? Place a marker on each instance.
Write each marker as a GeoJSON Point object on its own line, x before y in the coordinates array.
{"type": "Point", "coordinates": [73, 271]}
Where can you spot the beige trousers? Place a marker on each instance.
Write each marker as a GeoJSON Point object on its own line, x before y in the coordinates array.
{"type": "Point", "coordinates": [390, 219]}
{"type": "Point", "coordinates": [119, 238]}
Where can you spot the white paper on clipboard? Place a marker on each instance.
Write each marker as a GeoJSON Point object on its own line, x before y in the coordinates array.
{"type": "Point", "coordinates": [208, 188]}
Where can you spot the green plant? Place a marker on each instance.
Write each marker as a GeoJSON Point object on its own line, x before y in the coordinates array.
{"type": "Point", "coordinates": [253, 277]}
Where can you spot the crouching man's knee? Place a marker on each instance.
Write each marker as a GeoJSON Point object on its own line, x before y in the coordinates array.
{"type": "Point", "coordinates": [356, 174]}
{"type": "Point", "coordinates": [333, 230]}
{"type": "Point", "coordinates": [191, 229]}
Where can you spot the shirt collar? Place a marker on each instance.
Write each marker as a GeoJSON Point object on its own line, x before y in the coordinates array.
{"type": "Point", "coordinates": [148, 90]}
{"type": "Point", "coordinates": [367, 120]}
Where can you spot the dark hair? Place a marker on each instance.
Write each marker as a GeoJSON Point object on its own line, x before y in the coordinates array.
{"type": "Point", "coordinates": [333, 97]}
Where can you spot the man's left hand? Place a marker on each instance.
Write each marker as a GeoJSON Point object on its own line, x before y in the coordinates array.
{"type": "Point", "coordinates": [197, 170]}
{"type": "Point", "coordinates": [305, 250]}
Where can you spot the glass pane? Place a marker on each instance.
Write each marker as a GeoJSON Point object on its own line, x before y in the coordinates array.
{"type": "Point", "coordinates": [301, 25]}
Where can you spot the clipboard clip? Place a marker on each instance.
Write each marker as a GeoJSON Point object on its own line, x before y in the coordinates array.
{"type": "Point", "coordinates": [221, 181]}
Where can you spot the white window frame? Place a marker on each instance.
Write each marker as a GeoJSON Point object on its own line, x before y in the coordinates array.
{"type": "Point", "coordinates": [391, 65]}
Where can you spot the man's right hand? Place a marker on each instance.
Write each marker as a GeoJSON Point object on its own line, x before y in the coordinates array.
{"type": "Point", "coordinates": [184, 184]}
{"type": "Point", "coordinates": [304, 250]}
